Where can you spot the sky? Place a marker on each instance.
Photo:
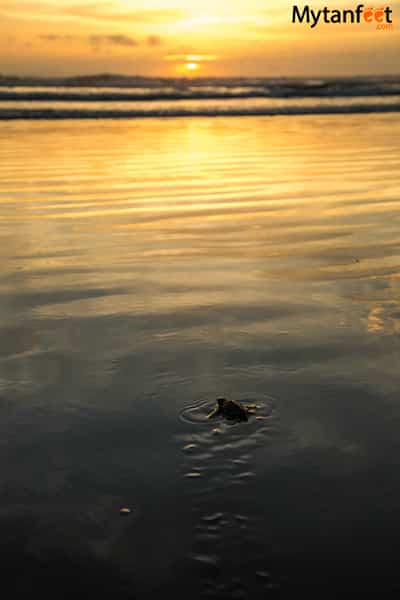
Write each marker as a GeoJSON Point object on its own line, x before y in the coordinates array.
{"type": "Point", "coordinates": [169, 38]}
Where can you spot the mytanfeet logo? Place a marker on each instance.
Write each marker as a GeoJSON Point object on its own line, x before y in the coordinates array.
{"type": "Point", "coordinates": [381, 17]}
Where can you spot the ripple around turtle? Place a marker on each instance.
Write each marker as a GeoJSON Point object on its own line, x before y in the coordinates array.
{"type": "Point", "coordinates": [198, 412]}
{"type": "Point", "coordinates": [208, 438]}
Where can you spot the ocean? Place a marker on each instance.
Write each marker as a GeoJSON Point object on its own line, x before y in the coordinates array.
{"type": "Point", "coordinates": [150, 266]}
{"type": "Point", "coordinates": [114, 97]}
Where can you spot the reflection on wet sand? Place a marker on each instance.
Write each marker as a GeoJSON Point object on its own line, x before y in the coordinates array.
{"type": "Point", "coordinates": [147, 267]}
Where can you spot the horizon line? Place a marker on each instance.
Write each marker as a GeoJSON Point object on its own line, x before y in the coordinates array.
{"type": "Point", "coordinates": [110, 75]}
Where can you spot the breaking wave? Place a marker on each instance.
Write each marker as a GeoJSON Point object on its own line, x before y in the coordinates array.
{"type": "Point", "coordinates": [198, 112]}
{"type": "Point", "coordinates": [125, 97]}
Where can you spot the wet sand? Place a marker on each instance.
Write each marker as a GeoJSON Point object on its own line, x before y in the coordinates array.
{"type": "Point", "coordinates": [148, 268]}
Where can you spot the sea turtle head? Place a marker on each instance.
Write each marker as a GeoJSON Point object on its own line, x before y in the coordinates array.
{"type": "Point", "coordinates": [221, 404]}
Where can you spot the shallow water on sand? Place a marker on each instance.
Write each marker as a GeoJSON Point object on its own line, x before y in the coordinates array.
{"type": "Point", "coordinates": [148, 268]}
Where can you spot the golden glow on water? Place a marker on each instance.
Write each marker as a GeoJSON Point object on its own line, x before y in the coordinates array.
{"type": "Point", "coordinates": [213, 206]}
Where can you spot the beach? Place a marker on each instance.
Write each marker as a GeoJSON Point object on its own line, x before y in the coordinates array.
{"type": "Point", "coordinates": [150, 266]}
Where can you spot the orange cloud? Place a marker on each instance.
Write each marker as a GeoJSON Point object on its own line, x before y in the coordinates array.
{"type": "Point", "coordinates": [191, 57]}
{"type": "Point", "coordinates": [113, 40]}
{"type": "Point", "coordinates": [101, 39]}
{"type": "Point", "coordinates": [154, 40]}
{"type": "Point", "coordinates": [53, 37]}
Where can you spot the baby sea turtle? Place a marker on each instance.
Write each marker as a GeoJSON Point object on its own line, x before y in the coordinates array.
{"type": "Point", "coordinates": [234, 411]}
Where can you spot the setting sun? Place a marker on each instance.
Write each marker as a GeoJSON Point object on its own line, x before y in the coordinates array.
{"type": "Point", "coordinates": [192, 66]}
